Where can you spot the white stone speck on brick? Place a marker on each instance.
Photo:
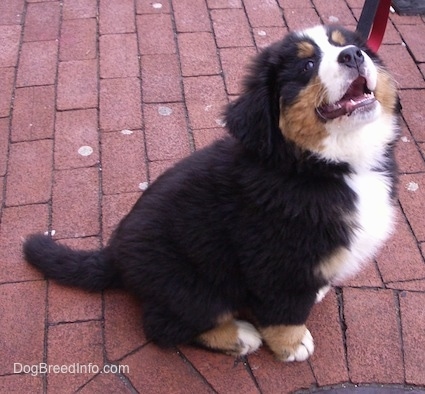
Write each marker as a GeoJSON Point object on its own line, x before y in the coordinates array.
{"type": "Point", "coordinates": [85, 150]}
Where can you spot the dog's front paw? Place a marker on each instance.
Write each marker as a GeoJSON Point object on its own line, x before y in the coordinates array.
{"type": "Point", "coordinates": [234, 337]}
{"type": "Point", "coordinates": [289, 343]}
{"type": "Point", "coordinates": [248, 337]}
{"type": "Point", "coordinates": [302, 351]}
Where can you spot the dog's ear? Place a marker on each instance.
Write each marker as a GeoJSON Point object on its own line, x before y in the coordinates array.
{"type": "Point", "coordinates": [253, 117]}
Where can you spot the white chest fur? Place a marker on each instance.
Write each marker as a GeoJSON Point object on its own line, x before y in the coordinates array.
{"type": "Point", "coordinates": [372, 222]}
{"type": "Point", "coordinates": [373, 219]}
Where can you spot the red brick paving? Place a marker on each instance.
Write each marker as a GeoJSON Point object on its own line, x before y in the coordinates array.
{"type": "Point", "coordinates": [408, 154]}
{"type": "Point", "coordinates": [166, 131]}
{"type": "Point", "coordinates": [231, 28]}
{"type": "Point", "coordinates": [75, 203]}
{"type": "Point", "coordinates": [97, 99]}
{"type": "Point", "coordinates": [120, 106]}
{"type": "Point", "coordinates": [106, 384]}
{"type": "Point", "coordinates": [119, 58]}
{"type": "Point", "coordinates": [198, 54]}
{"type": "Point", "coordinates": [124, 162]}
{"type": "Point", "coordinates": [37, 63]}
{"type": "Point", "coordinates": [114, 207]}
{"type": "Point", "coordinates": [42, 21]}
{"type": "Point", "coordinates": [161, 84]}
{"type": "Point", "coordinates": [28, 182]}
{"type": "Point", "coordinates": [11, 12]}
{"type": "Point", "coordinates": [233, 61]}
{"type": "Point", "coordinates": [75, 9]}
{"type": "Point", "coordinates": [77, 84]}
{"type": "Point", "coordinates": [412, 323]}
{"type": "Point", "coordinates": [34, 113]}
{"type": "Point", "coordinates": [76, 129]}
{"type": "Point", "coordinates": [119, 340]}
{"type": "Point", "coordinates": [205, 97]}
{"type": "Point", "coordinates": [16, 221]}
{"type": "Point", "coordinates": [265, 36]}
{"type": "Point", "coordinates": [325, 326]}
{"type": "Point", "coordinates": [374, 349]}
{"type": "Point", "coordinates": [78, 39]}
{"type": "Point", "coordinates": [155, 33]}
{"type": "Point", "coordinates": [4, 144]}
{"type": "Point", "coordinates": [78, 342]}
{"type": "Point", "coordinates": [7, 75]}
{"type": "Point", "coordinates": [191, 15]}
{"type": "Point", "coordinates": [9, 42]}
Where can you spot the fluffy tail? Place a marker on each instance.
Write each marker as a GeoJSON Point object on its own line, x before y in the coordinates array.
{"type": "Point", "coordinates": [89, 270]}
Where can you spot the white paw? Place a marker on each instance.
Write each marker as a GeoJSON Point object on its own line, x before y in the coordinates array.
{"type": "Point", "coordinates": [304, 350]}
{"type": "Point", "coordinates": [249, 338]}
{"type": "Point", "coordinates": [320, 295]}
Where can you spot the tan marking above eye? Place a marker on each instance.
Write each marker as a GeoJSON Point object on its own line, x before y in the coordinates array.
{"type": "Point", "coordinates": [305, 49]}
{"type": "Point", "coordinates": [338, 38]}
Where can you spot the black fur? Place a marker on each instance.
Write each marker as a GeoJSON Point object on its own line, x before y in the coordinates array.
{"type": "Point", "coordinates": [242, 224]}
{"type": "Point", "coordinates": [90, 270]}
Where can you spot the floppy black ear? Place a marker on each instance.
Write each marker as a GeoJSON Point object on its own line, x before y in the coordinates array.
{"type": "Point", "coordinates": [253, 117]}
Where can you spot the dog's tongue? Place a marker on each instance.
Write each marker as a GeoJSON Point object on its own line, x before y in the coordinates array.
{"type": "Point", "coordinates": [354, 98]}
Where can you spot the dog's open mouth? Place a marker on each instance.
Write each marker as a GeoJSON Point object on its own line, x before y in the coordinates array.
{"type": "Point", "coordinates": [357, 96]}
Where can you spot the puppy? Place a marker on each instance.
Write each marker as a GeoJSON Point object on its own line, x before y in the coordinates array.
{"type": "Point", "coordinates": [296, 197]}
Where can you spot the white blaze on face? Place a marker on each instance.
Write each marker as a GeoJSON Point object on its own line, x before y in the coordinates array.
{"type": "Point", "coordinates": [333, 75]}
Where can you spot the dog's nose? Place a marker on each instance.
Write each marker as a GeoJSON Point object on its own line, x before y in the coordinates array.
{"type": "Point", "coordinates": [351, 57]}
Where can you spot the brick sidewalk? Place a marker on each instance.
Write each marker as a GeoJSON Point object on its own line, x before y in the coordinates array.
{"type": "Point", "coordinates": [97, 98]}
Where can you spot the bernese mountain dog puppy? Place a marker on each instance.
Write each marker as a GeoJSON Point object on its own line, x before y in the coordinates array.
{"type": "Point", "coordinates": [262, 222]}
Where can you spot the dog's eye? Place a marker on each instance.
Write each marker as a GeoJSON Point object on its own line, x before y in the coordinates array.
{"type": "Point", "coordinates": [309, 65]}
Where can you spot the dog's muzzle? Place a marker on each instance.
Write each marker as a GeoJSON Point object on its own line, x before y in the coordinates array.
{"type": "Point", "coordinates": [357, 96]}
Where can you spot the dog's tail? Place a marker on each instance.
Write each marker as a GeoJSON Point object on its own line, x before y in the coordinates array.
{"type": "Point", "coordinates": [89, 270]}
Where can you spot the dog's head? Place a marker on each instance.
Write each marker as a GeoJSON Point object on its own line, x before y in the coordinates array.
{"type": "Point", "coordinates": [320, 90]}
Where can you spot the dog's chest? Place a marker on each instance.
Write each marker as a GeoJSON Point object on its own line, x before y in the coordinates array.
{"type": "Point", "coordinates": [372, 221]}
